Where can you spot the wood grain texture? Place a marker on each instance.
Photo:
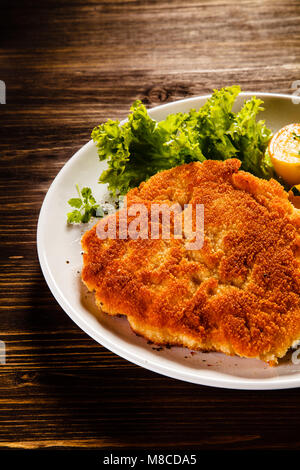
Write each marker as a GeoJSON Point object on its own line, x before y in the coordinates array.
{"type": "Point", "coordinates": [69, 65]}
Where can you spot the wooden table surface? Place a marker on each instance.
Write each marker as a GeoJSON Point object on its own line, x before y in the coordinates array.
{"type": "Point", "coordinates": [69, 65]}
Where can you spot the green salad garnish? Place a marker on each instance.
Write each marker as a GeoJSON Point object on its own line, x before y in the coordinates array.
{"type": "Point", "coordinates": [85, 207]}
{"type": "Point", "coordinates": [141, 147]}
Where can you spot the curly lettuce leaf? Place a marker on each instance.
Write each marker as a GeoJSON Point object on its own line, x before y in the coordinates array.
{"type": "Point", "coordinates": [251, 138]}
{"type": "Point", "coordinates": [141, 147]}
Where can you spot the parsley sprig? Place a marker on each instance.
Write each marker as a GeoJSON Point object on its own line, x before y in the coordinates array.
{"type": "Point", "coordinates": [85, 207]}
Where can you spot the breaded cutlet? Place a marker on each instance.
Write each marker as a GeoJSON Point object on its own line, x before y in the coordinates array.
{"type": "Point", "coordinates": [238, 294]}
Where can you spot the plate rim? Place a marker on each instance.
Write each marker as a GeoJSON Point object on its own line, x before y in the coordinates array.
{"type": "Point", "coordinates": [273, 383]}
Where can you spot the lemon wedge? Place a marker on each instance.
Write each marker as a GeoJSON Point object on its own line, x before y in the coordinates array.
{"type": "Point", "coordinates": [284, 151]}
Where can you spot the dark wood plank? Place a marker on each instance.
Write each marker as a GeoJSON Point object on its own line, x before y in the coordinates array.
{"type": "Point", "coordinates": [67, 67]}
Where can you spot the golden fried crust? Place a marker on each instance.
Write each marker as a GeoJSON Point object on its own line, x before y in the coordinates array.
{"type": "Point", "coordinates": [238, 294]}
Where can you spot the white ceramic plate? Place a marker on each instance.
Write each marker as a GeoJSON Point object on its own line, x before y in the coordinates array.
{"type": "Point", "coordinates": [58, 243]}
